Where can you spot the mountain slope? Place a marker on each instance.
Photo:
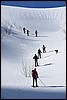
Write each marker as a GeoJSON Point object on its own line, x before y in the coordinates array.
{"type": "Point", "coordinates": [18, 49]}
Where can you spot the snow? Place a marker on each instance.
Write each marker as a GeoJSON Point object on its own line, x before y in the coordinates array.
{"type": "Point", "coordinates": [18, 49]}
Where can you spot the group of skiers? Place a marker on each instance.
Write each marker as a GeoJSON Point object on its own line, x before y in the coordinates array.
{"type": "Point", "coordinates": [24, 30]}
{"type": "Point", "coordinates": [36, 57]}
{"type": "Point", "coordinates": [39, 55]}
{"type": "Point", "coordinates": [34, 72]}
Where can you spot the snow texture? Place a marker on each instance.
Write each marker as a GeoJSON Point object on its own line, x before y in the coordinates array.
{"type": "Point", "coordinates": [18, 49]}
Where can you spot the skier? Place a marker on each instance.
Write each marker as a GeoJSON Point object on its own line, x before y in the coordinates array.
{"type": "Point", "coordinates": [24, 29]}
{"type": "Point", "coordinates": [35, 76]}
{"type": "Point", "coordinates": [39, 53]}
{"type": "Point", "coordinates": [36, 60]}
{"type": "Point", "coordinates": [36, 33]}
{"type": "Point", "coordinates": [28, 32]}
{"type": "Point", "coordinates": [44, 51]}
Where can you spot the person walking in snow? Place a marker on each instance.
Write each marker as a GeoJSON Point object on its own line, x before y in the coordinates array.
{"type": "Point", "coordinates": [36, 60]}
{"type": "Point", "coordinates": [39, 53]}
{"type": "Point", "coordinates": [36, 33]}
{"type": "Point", "coordinates": [35, 76]}
{"type": "Point", "coordinates": [28, 32]}
{"type": "Point", "coordinates": [24, 29]}
{"type": "Point", "coordinates": [44, 51]}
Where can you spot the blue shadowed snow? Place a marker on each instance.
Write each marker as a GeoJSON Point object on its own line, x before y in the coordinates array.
{"type": "Point", "coordinates": [31, 94]}
{"type": "Point", "coordinates": [35, 4]}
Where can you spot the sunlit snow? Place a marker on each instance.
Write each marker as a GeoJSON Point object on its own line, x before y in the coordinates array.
{"type": "Point", "coordinates": [18, 49]}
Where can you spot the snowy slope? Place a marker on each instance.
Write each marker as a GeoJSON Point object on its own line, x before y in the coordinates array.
{"type": "Point", "coordinates": [18, 49]}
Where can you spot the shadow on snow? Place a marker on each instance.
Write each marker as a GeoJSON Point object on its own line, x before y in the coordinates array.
{"type": "Point", "coordinates": [52, 86]}
{"type": "Point", "coordinates": [25, 38]}
{"type": "Point", "coordinates": [46, 64]}
{"type": "Point", "coordinates": [39, 36]}
{"type": "Point", "coordinates": [9, 93]}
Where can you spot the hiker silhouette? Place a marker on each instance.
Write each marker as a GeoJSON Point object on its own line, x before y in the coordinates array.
{"type": "Point", "coordinates": [39, 53]}
{"type": "Point", "coordinates": [36, 33]}
{"type": "Point", "coordinates": [35, 76]}
{"type": "Point", "coordinates": [36, 60]}
{"type": "Point", "coordinates": [28, 32]}
{"type": "Point", "coordinates": [44, 49]}
{"type": "Point", "coordinates": [24, 29]}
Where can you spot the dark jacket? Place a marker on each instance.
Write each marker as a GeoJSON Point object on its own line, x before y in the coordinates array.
{"type": "Point", "coordinates": [34, 73]}
{"type": "Point", "coordinates": [43, 47]}
{"type": "Point", "coordinates": [35, 57]}
{"type": "Point", "coordinates": [39, 51]}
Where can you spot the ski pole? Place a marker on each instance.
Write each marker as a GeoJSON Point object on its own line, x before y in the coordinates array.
{"type": "Point", "coordinates": [42, 82]}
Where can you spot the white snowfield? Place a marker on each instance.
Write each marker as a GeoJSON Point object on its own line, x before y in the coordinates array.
{"type": "Point", "coordinates": [18, 49]}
